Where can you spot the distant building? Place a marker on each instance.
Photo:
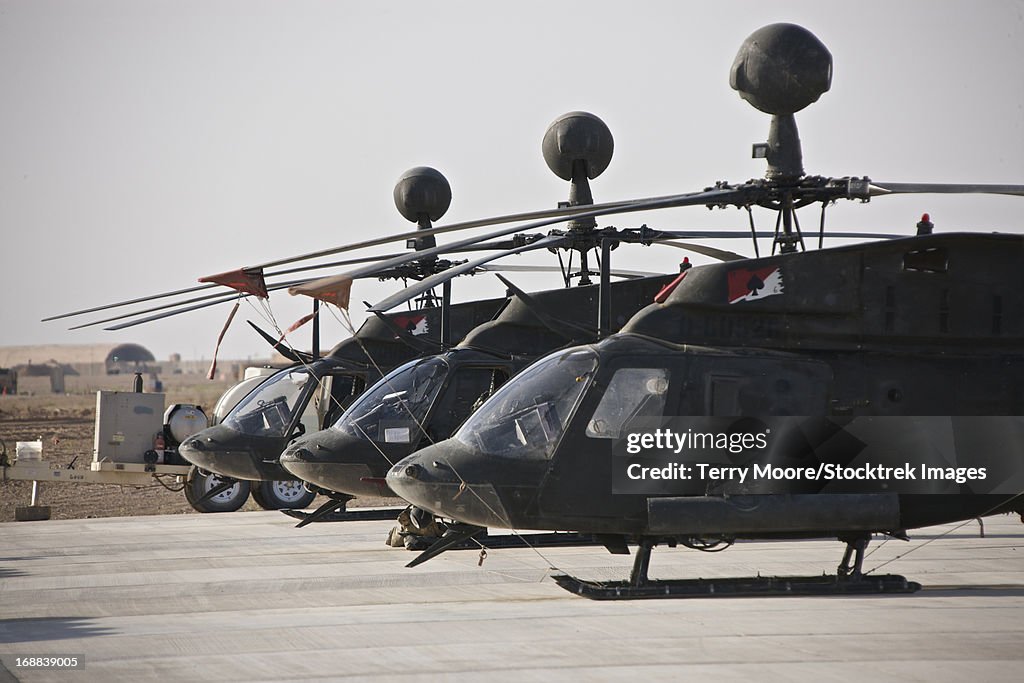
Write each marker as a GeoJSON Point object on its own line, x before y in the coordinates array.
{"type": "Point", "coordinates": [51, 368]}
{"type": "Point", "coordinates": [8, 382]}
{"type": "Point", "coordinates": [129, 358]}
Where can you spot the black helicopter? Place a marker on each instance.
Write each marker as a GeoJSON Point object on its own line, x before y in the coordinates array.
{"type": "Point", "coordinates": [837, 393]}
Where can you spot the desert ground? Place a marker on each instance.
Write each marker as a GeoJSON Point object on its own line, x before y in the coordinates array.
{"type": "Point", "coordinates": [65, 422]}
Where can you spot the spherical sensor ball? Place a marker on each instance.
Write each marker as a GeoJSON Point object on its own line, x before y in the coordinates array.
{"type": "Point", "coordinates": [781, 68]}
{"type": "Point", "coordinates": [577, 135]}
{"type": "Point", "coordinates": [422, 190]}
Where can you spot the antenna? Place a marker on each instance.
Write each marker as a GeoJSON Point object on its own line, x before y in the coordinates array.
{"type": "Point", "coordinates": [422, 195]}
{"type": "Point", "coordinates": [578, 147]}
{"type": "Point", "coordinates": [780, 69]}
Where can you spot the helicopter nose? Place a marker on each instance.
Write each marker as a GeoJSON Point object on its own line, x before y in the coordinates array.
{"type": "Point", "coordinates": [432, 479]}
{"type": "Point", "coordinates": [220, 450]}
{"type": "Point", "coordinates": [335, 461]}
{"type": "Point", "coordinates": [422, 481]}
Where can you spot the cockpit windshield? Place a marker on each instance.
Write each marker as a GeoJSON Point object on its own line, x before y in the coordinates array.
{"type": "Point", "coordinates": [393, 410]}
{"type": "Point", "coordinates": [526, 417]}
{"type": "Point", "coordinates": [268, 410]}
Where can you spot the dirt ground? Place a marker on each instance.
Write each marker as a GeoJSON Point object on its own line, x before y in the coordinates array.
{"type": "Point", "coordinates": [65, 423]}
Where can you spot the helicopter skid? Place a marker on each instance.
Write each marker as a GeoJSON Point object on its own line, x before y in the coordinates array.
{"type": "Point", "coordinates": [554, 539]}
{"type": "Point", "coordinates": [369, 514]}
{"type": "Point", "coordinates": [758, 586]}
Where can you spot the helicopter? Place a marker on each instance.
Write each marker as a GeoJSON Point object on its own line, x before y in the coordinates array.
{"type": "Point", "coordinates": [829, 393]}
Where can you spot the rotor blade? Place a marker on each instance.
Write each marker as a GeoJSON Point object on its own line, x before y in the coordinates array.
{"type": "Point", "coordinates": [219, 296]}
{"type": "Point", "coordinates": [708, 197]}
{"type": "Point", "coordinates": [881, 189]}
{"type": "Point", "coordinates": [560, 214]}
{"type": "Point", "coordinates": [187, 309]}
{"type": "Point", "coordinates": [141, 299]}
{"type": "Point", "coordinates": [168, 314]}
{"type": "Point", "coordinates": [566, 329]}
{"type": "Point", "coordinates": [557, 216]}
{"type": "Point", "coordinates": [446, 249]}
{"type": "Point", "coordinates": [745, 234]}
{"type": "Point", "coordinates": [212, 285]}
{"type": "Point", "coordinates": [429, 283]}
{"type": "Point", "coordinates": [504, 244]}
{"type": "Point", "coordinates": [720, 254]}
{"type": "Point", "coordinates": [294, 355]}
{"type": "Point", "coordinates": [223, 296]}
{"type": "Point", "coordinates": [558, 269]}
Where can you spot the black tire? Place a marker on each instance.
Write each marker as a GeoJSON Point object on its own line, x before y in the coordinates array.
{"type": "Point", "coordinates": [288, 494]}
{"type": "Point", "coordinates": [198, 483]}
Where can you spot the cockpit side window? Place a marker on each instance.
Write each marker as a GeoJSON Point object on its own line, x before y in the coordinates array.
{"type": "Point", "coordinates": [632, 393]}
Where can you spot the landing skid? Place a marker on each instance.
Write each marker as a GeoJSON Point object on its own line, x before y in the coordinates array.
{"type": "Point", "coordinates": [537, 540]}
{"type": "Point", "coordinates": [757, 586]}
{"type": "Point", "coordinates": [466, 536]}
{"type": "Point", "coordinates": [849, 579]}
{"type": "Point", "coordinates": [343, 515]}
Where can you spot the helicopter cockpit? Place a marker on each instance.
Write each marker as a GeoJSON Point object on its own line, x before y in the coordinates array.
{"type": "Point", "coordinates": [393, 411]}
{"type": "Point", "coordinates": [268, 410]}
{"type": "Point", "coordinates": [292, 401]}
{"type": "Point", "coordinates": [526, 417]}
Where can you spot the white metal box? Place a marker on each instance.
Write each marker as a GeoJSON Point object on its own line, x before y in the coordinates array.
{"type": "Point", "coordinates": [126, 424]}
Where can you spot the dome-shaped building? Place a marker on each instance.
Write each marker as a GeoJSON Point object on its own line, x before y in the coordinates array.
{"type": "Point", "coordinates": [128, 358]}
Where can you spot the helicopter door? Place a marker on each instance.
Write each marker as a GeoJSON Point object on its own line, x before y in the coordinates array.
{"type": "Point", "coordinates": [632, 394]}
{"type": "Point", "coordinates": [340, 390]}
{"type": "Point", "coordinates": [583, 459]}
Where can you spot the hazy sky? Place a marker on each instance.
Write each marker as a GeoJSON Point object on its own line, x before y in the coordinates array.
{"type": "Point", "coordinates": [145, 144]}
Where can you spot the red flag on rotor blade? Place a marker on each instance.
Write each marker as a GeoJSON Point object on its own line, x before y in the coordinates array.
{"type": "Point", "coordinates": [334, 290]}
{"type": "Point", "coordinates": [242, 280]}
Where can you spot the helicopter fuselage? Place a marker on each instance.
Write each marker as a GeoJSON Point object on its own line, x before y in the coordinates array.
{"type": "Point", "coordinates": [906, 353]}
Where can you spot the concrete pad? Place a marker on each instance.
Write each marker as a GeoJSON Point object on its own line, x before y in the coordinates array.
{"type": "Point", "coordinates": [245, 596]}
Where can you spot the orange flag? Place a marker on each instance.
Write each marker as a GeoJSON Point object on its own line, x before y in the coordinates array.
{"type": "Point", "coordinates": [334, 290]}
{"type": "Point", "coordinates": [242, 280]}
